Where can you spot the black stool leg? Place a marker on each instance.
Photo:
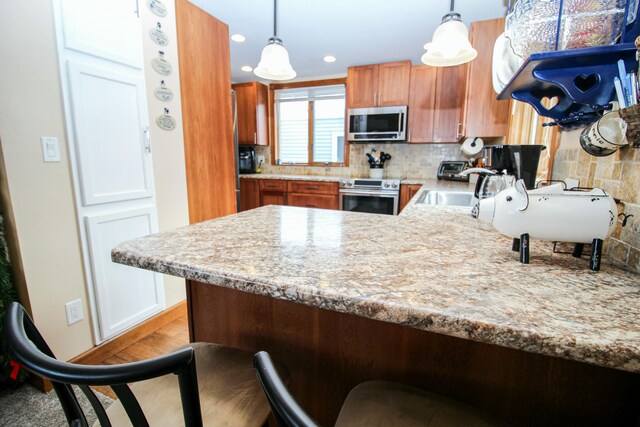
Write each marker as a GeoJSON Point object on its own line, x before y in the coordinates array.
{"type": "Point", "coordinates": [577, 250]}
{"type": "Point", "coordinates": [515, 247]}
{"type": "Point", "coordinates": [596, 255]}
{"type": "Point", "coordinates": [524, 248]}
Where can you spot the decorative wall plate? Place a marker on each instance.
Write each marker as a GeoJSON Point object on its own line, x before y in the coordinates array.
{"type": "Point", "coordinates": [161, 65]}
{"type": "Point", "coordinates": [157, 8]}
{"type": "Point", "coordinates": [165, 121]}
{"type": "Point", "coordinates": [163, 93]}
{"type": "Point", "coordinates": [158, 36]}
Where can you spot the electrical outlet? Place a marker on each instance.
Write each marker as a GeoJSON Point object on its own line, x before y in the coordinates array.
{"type": "Point", "coordinates": [260, 159]}
{"type": "Point", "coordinates": [74, 311]}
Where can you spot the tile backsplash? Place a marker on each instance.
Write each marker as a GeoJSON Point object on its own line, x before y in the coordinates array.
{"type": "Point", "coordinates": [416, 161]}
{"type": "Point", "coordinates": [618, 174]}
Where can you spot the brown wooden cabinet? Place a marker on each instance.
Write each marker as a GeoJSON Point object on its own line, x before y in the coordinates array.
{"type": "Point", "coordinates": [313, 194]}
{"type": "Point", "coordinates": [436, 104]}
{"type": "Point", "coordinates": [485, 116]}
{"type": "Point", "coordinates": [252, 106]}
{"type": "Point", "coordinates": [307, 194]}
{"type": "Point", "coordinates": [378, 85]}
{"type": "Point", "coordinates": [249, 194]}
{"type": "Point", "coordinates": [407, 191]}
{"type": "Point", "coordinates": [273, 192]}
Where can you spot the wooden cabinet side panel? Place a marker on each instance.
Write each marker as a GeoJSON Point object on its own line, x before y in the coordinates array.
{"type": "Point", "coordinates": [422, 103]}
{"type": "Point", "coordinates": [246, 108]}
{"type": "Point", "coordinates": [249, 194]}
{"type": "Point", "coordinates": [393, 83]}
{"type": "Point", "coordinates": [203, 43]}
{"type": "Point", "coordinates": [485, 115]}
{"type": "Point", "coordinates": [262, 114]}
{"type": "Point", "coordinates": [362, 84]}
{"type": "Point", "coordinates": [449, 104]}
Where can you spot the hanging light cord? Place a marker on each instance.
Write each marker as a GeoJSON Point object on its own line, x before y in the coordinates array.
{"type": "Point", "coordinates": [452, 3]}
{"type": "Point", "coordinates": [275, 14]}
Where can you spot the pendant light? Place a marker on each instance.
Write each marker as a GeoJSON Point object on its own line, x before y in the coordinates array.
{"type": "Point", "coordinates": [450, 44]}
{"type": "Point", "coordinates": [274, 62]}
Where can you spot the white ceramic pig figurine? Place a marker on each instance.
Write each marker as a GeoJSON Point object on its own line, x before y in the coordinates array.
{"type": "Point", "coordinates": [551, 213]}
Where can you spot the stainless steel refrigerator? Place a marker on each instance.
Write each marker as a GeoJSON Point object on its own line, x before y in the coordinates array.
{"type": "Point", "coordinates": [234, 106]}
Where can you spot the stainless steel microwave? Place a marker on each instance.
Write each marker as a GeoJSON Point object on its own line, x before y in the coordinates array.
{"type": "Point", "coordinates": [377, 124]}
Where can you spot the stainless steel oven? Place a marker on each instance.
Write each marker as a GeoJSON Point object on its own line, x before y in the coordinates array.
{"type": "Point", "coordinates": [370, 195]}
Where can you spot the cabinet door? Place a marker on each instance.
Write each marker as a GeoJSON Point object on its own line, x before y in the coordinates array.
{"type": "Point", "coordinates": [262, 114]}
{"type": "Point", "coordinates": [246, 109]}
{"type": "Point", "coordinates": [449, 105]}
{"type": "Point", "coordinates": [109, 29]}
{"type": "Point", "coordinates": [485, 115]}
{"type": "Point", "coordinates": [393, 83]}
{"type": "Point", "coordinates": [269, 197]}
{"type": "Point", "coordinates": [407, 191]}
{"type": "Point", "coordinates": [321, 201]}
{"type": "Point", "coordinates": [362, 84]}
{"type": "Point", "coordinates": [422, 103]}
{"type": "Point", "coordinates": [249, 194]}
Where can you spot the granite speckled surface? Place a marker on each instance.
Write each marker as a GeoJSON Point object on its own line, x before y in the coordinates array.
{"type": "Point", "coordinates": [292, 177]}
{"type": "Point", "coordinates": [430, 269]}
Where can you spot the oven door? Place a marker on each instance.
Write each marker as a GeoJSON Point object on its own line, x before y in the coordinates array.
{"type": "Point", "coordinates": [380, 202]}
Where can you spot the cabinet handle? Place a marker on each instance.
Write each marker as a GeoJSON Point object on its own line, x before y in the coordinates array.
{"type": "Point", "coordinates": [311, 188]}
{"type": "Point", "coordinates": [255, 138]}
{"type": "Point", "coordinates": [310, 205]}
{"type": "Point", "coordinates": [147, 140]}
{"type": "Point", "coordinates": [375, 95]}
{"type": "Point", "coordinates": [459, 130]}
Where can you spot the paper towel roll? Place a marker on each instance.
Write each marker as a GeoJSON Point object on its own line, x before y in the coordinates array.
{"type": "Point", "coordinates": [472, 146]}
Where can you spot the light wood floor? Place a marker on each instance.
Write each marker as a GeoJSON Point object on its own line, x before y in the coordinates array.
{"type": "Point", "coordinates": [162, 341]}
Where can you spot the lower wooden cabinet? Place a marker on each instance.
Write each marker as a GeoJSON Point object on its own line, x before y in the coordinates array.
{"type": "Point", "coordinates": [308, 194]}
{"type": "Point", "coordinates": [322, 201]}
{"type": "Point", "coordinates": [407, 191]}
{"type": "Point", "coordinates": [249, 194]}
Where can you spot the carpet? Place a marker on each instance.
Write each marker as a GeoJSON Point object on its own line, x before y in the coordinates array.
{"type": "Point", "coordinates": [29, 407]}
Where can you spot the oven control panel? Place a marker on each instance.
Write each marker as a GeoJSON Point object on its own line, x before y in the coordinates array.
{"type": "Point", "coordinates": [371, 184]}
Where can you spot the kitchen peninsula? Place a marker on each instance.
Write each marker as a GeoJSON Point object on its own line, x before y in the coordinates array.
{"type": "Point", "coordinates": [427, 298]}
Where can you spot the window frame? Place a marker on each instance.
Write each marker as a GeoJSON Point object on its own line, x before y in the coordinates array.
{"type": "Point", "coordinates": [273, 128]}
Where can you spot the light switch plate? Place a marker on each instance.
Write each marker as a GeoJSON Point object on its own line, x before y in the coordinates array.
{"type": "Point", "coordinates": [50, 149]}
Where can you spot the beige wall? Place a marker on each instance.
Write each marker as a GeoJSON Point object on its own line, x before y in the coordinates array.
{"type": "Point", "coordinates": [41, 194]}
{"type": "Point", "coordinates": [619, 174]}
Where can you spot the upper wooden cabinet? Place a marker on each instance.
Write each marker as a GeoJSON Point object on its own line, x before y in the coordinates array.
{"type": "Point", "coordinates": [436, 104]}
{"type": "Point", "coordinates": [378, 85]}
{"type": "Point", "coordinates": [252, 106]}
{"type": "Point", "coordinates": [485, 116]}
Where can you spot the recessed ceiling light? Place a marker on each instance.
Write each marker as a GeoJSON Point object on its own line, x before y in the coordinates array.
{"type": "Point", "coordinates": [238, 38]}
{"type": "Point", "coordinates": [329, 58]}
{"type": "Point", "coordinates": [246, 69]}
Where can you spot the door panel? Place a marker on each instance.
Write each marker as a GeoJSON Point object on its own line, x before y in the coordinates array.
{"type": "Point", "coordinates": [108, 29]}
{"type": "Point", "coordinates": [125, 295]}
{"type": "Point", "coordinates": [422, 103]}
{"type": "Point", "coordinates": [109, 117]}
{"type": "Point", "coordinates": [393, 83]}
{"type": "Point", "coordinates": [362, 85]}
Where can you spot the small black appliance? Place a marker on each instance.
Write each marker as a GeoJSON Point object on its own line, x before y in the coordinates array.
{"type": "Point", "coordinates": [246, 159]}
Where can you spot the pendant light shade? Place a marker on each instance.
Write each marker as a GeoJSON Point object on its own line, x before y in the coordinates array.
{"type": "Point", "coordinates": [274, 61]}
{"type": "Point", "coordinates": [450, 44]}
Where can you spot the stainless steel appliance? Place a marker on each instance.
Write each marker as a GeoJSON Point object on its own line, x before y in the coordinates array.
{"type": "Point", "coordinates": [234, 112]}
{"type": "Point", "coordinates": [246, 159]}
{"type": "Point", "coordinates": [377, 124]}
{"type": "Point", "coordinates": [370, 195]}
{"type": "Point", "coordinates": [449, 170]}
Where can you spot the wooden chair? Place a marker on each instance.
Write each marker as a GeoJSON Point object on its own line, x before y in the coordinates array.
{"type": "Point", "coordinates": [195, 385]}
{"type": "Point", "coordinates": [372, 403]}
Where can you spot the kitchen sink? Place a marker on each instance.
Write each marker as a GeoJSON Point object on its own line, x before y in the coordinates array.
{"type": "Point", "coordinates": [445, 198]}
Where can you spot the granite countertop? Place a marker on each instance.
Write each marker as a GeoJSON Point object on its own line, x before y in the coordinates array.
{"type": "Point", "coordinates": [426, 269]}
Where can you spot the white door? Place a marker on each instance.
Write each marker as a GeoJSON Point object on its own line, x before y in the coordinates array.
{"type": "Point", "coordinates": [125, 295]}
{"type": "Point", "coordinates": [109, 29]}
{"type": "Point", "coordinates": [100, 49]}
{"type": "Point", "coordinates": [109, 118]}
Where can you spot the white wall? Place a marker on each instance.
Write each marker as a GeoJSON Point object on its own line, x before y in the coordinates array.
{"type": "Point", "coordinates": [41, 194]}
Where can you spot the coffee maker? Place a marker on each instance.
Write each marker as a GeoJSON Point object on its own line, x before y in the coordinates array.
{"type": "Point", "coordinates": [504, 165]}
{"type": "Point", "coordinates": [246, 159]}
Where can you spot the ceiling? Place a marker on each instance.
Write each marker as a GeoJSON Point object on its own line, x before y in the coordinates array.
{"type": "Point", "coordinates": [356, 32]}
